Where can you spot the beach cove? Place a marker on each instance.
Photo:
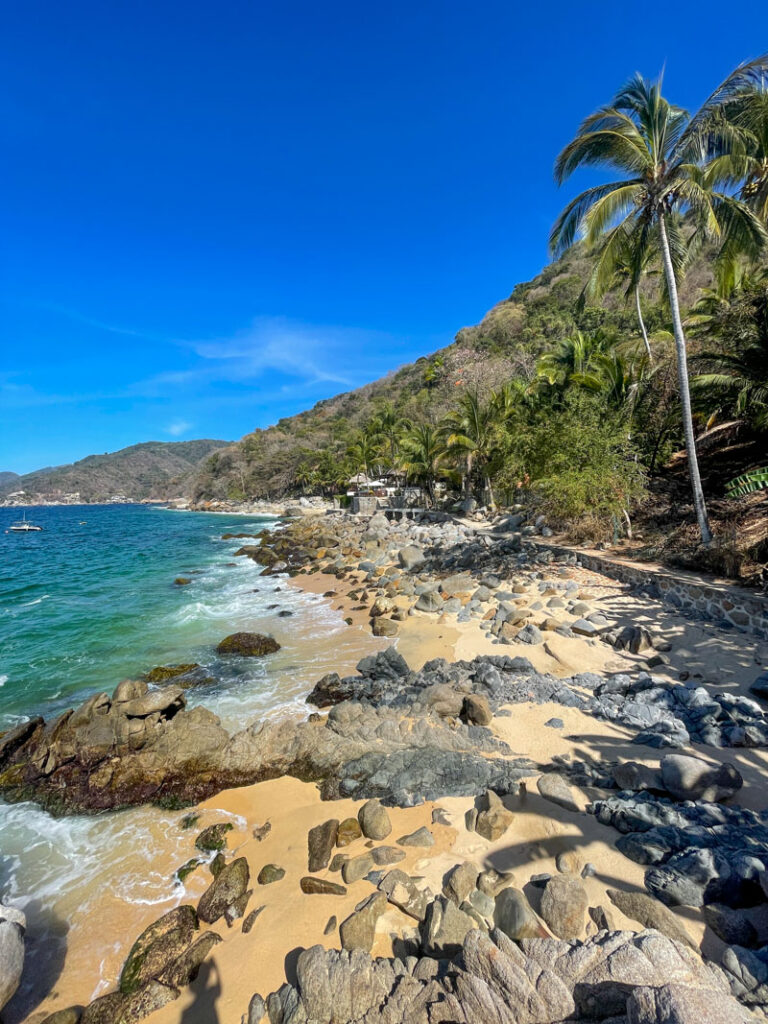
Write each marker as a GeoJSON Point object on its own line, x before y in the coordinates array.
{"type": "Point", "coordinates": [444, 591]}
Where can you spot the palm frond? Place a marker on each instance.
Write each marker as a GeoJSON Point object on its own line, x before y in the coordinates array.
{"type": "Point", "coordinates": [747, 483]}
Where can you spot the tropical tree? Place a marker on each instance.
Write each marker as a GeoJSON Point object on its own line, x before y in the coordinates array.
{"type": "Point", "coordinates": [388, 426]}
{"type": "Point", "coordinates": [422, 452]}
{"type": "Point", "coordinates": [631, 262]}
{"type": "Point", "coordinates": [743, 158]}
{"type": "Point", "coordinates": [658, 150]}
{"type": "Point", "coordinates": [364, 453]}
{"type": "Point", "coordinates": [471, 436]}
{"type": "Point", "coordinates": [738, 381]}
{"type": "Point", "coordinates": [571, 358]}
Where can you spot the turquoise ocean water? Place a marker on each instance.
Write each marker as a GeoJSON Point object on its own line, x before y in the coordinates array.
{"type": "Point", "coordinates": [90, 601]}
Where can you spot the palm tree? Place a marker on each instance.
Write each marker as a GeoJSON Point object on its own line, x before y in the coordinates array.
{"type": "Point", "coordinates": [630, 263]}
{"type": "Point", "coordinates": [739, 380]}
{"type": "Point", "coordinates": [658, 149]}
{"type": "Point", "coordinates": [611, 375]}
{"type": "Point", "coordinates": [422, 451]}
{"type": "Point", "coordinates": [571, 357]}
{"type": "Point", "coordinates": [471, 435]}
{"type": "Point", "coordinates": [364, 453]}
{"type": "Point", "coordinates": [743, 157]}
{"type": "Point", "coordinates": [388, 426]}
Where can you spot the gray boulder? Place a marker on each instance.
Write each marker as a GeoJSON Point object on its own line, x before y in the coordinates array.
{"type": "Point", "coordinates": [564, 906]}
{"type": "Point", "coordinates": [650, 913]}
{"type": "Point", "coordinates": [359, 929]}
{"type": "Point", "coordinates": [13, 925]}
{"type": "Point", "coordinates": [690, 778]}
{"type": "Point", "coordinates": [445, 928]}
{"type": "Point", "coordinates": [515, 916]}
{"type": "Point", "coordinates": [374, 820]}
{"type": "Point", "coordinates": [410, 556]}
{"type": "Point", "coordinates": [554, 788]}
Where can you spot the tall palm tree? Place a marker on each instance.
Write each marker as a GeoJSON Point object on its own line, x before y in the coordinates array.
{"type": "Point", "coordinates": [631, 263]}
{"type": "Point", "coordinates": [422, 451]}
{"type": "Point", "coordinates": [742, 159]}
{"type": "Point", "coordinates": [471, 436]}
{"type": "Point", "coordinates": [659, 150]}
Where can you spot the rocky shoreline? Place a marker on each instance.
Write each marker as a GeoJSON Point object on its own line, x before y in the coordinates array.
{"type": "Point", "coordinates": [482, 944]}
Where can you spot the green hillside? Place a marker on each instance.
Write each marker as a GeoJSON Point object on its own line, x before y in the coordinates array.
{"type": "Point", "coordinates": [156, 469]}
{"type": "Point", "coordinates": [507, 342]}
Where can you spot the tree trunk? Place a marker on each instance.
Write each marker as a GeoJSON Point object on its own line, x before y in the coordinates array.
{"type": "Point", "coordinates": [685, 394]}
{"type": "Point", "coordinates": [489, 489]}
{"type": "Point", "coordinates": [642, 324]}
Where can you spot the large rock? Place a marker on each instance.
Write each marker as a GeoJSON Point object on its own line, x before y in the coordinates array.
{"type": "Point", "coordinates": [445, 928]}
{"type": "Point", "coordinates": [564, 905]}
{"type": "Point", "coordinates": [12, 929]}
{"type": "Point", "coordinates": [554, 788]}
{"type": "Point", "coordinates": [374, 820]}
{"type": "Point", "coordinates": [321, 841]}
{"type": "Point", "coordinates": [690, 778]}
{"type": "Point", "coordinates": [430, 601]}
{"type": "Point", "coordinates": [118, 1008]}
{"type": "Point", "coordinates": [515, 916]}
{"type": "Point", "coordinates": [650, 913]}
{"type": "Point", "coordinates": [248, 645]}
{"type": "Point", "coordinates": [410, 556]}
{"type": "Point", "coordinates": [494, 820]}
{"type": "Point", "coordinates": [460, 882]}
{"type": "Point", "coordinates": [616, 976]}
{"type": "Point", "coordinates": [227, 887]}
{"type": "Point", "coordinates": [158, 947]}
{"type": "Point", "coordinates": [359, 929]}
{"type": "Point", "coordinates": [402, 892]}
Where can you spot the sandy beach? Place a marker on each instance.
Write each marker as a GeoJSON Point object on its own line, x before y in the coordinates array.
{"type": "Point", "coordinates": [542, 837]}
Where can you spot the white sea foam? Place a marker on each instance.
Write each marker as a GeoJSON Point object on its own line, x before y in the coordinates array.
{"type": "Point", "coordinates": [3, 680]}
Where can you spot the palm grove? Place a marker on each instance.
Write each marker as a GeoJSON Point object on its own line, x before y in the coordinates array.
{"type": "Point", "coordinates": [580, 431]}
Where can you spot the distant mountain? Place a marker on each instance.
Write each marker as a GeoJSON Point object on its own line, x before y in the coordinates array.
{"type": "Point", "coordinates": [155, 469]}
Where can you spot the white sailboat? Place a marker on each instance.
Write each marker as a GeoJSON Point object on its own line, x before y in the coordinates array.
{"type": "Point", "coordinates": [24, 526]}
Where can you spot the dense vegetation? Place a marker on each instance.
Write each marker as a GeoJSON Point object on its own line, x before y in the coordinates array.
{"type": "Point", "coordinates": [641, 338]}
{"type": "Point", "coordinates": [156, 469]}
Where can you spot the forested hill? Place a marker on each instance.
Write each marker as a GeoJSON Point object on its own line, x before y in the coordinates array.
{"type": "Point", "coordinates": [506, 342]}
{"type": "Point", "coordinates": [156, 469]}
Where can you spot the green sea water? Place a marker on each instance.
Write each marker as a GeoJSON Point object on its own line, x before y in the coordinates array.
{"type": "Point", "coordinates": [91, 600]}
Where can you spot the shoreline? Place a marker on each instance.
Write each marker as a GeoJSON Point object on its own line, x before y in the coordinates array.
{"type": "Point", "coordinates": [544, 833]}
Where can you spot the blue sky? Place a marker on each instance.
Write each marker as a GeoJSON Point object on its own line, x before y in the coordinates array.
{"type": "Point", "coordinates": [214, 215]}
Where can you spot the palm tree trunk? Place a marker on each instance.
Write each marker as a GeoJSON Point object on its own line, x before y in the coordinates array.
{"type": "Point", "coordinates": [642, 324]}
{"type": "Point", "coordinates": [489, 489]}
{"type": "Point", "coordinates": [685, 393]}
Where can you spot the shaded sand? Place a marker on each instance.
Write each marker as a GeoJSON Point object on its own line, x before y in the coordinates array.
{"type": "Point", "coordinates": [263, 959]}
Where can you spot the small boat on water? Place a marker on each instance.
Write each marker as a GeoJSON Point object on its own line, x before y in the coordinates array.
{"type": "Point", "coordinates": [24, 526]}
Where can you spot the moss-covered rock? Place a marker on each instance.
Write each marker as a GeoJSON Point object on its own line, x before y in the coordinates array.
{"type": "Point", "coordinates": [248, 645]}
{"type": "Point", "coordinates": [214, 837]}
{"type": "Point", "coordinates": [186, 869]}
{"type": "Point", "coordinates": [158, 947]}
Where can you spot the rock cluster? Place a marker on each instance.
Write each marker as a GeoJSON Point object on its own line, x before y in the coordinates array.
{"type": "Point", "coordinates": [619, 977]}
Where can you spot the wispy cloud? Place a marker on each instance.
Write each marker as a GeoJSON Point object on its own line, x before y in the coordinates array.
{"type": "Point", "coordinates": [178, 427]}
{"type": "Point", "coordinates": [309, 354]}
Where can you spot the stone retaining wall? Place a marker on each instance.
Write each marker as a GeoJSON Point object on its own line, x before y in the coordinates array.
{"type": "Point", "coordinates": [726, 604]}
